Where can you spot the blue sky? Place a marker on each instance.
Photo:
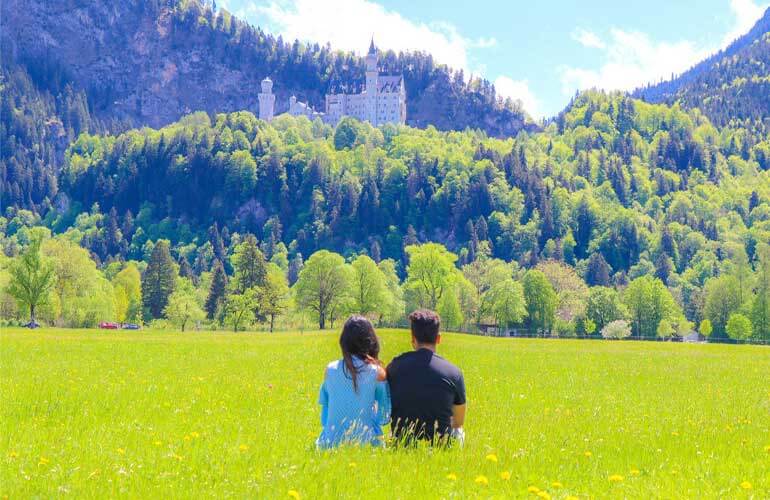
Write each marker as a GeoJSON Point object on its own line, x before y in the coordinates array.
{"type": "Point", "coordinates": [537, 51]}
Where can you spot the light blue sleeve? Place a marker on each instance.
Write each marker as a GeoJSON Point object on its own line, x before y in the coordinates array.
{"type": "Point", "coordinates": [323, 400]}
{"type": "Point", "coordinates": [382, 396]}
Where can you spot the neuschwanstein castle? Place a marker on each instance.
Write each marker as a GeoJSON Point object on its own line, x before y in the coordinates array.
{"type": "Point", "coordinates": [383, 99]}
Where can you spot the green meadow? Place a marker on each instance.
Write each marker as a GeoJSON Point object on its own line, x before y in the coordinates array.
{"type": "Point", "coordinates": [148, 414]}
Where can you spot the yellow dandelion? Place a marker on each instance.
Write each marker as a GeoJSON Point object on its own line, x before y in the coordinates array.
{"type": "Point", "coordinates": [186, 437]}
{"type": "Point", "coordinates": [120, 451]}
{"type": "Point", "coordinates": [557, 484]}
{"type": "Point", "coordinates": [482, 480]}
{"type": "Point", "coordinates": [194, 434]}
{"type": "Point", "coordinates": [294, 494]}
{"type": "Point", "coordinates": [544, 495]}
{"type": "Point", "coordinates": [587, 453]}
{"type": "Point", "coordinates": [767, 448]}
{"type": "Point", "coordinates": [505, 475]}
{"type": "Point", "coordinates": [13, 454]}
{"type": "Point", "coordinates": [352, 465]}
{"type": "Point", "coordinates": [492, 457]}
{"type": "Point", "coordinates": [533, 489]}
{"type": "Point", "coordinates": [243, 447]}
{"type": "Point", "coordinates": [746, 485]}
{"type": "Point", "coordinates": [451, 476]}
{"type": "Point", "coordinates": [674, 472]}
{"type": "Point", "coordinates": [157, 443]}
{"type": "Point", "coordinates": [616, 478]}
{"type": "Point", "coordinates": [43, 461]}
{"type": "Point", "coordinates": [634, 472]}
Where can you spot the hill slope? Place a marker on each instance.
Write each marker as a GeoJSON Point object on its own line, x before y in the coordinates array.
{"type": "Point", "coordinates": [99, 66]}
{"type": "Point", "coordinates": [732, 84]}
{"type": "Point", "coordinates": [152, 62]}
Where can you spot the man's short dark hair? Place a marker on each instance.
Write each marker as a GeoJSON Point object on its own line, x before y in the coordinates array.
{"type": "Point", "coordinates": [425, 326]}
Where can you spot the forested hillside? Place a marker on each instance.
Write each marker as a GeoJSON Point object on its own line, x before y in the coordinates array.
{"type": "Point", "coordinates": [730, 86]}
{"type": "Point", "coordinates": [617, 188]}
{"type": "Point", "coordinates": [83, 65]}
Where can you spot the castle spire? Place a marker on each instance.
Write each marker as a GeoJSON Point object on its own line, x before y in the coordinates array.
{"type": "Point", "coordinates": [372, 48]}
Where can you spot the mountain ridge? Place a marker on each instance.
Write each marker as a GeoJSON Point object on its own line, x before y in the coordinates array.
{"type": "Point", "coordinates": [733, 83]}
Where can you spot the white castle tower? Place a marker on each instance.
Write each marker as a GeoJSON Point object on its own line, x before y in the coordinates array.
{"type": "Point", "coordinates": [266, 100]}
{"type": "Point", "coordinates": [372, 72]}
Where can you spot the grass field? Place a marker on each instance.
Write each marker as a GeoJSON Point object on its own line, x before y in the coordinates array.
{"type": "Point", "coordinates": [145, 414]}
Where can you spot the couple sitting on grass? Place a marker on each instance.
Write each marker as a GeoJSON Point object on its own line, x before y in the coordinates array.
{"type": "Point", "coordinates": [420, 393]}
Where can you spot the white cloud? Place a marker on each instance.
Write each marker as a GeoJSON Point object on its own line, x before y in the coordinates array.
{"type": "Point", "coordinates": [349, 24]}
{"type": "Point", "coordinates": [519, 90]}
{"type": "Point", "coordinates": [632, 58]}
{"type": "Point", "coordinates": [588, 38]}
{"type": "Point", "coordinates": [747, 13]}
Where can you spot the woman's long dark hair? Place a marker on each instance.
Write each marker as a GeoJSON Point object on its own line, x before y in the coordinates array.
{"type": "Point", "coordinates": [358, 339]}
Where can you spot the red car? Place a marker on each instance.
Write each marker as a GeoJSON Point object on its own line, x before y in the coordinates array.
{"type": "Point", "coordinates": [106, 325]}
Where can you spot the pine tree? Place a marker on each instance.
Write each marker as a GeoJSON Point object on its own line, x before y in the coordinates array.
{"type": "Point", "coordinates": [185, 271]}
{"type": "Point", "coordinates": [158, 280]}
{"type": "Point", "coordinates": [295, 266]}
{"type": "Point", "coordinates": [598, 271]}
{"type": "Point", "coordinates": [249, 264]}
{"type": "Point", "coordinates": [217, 291]}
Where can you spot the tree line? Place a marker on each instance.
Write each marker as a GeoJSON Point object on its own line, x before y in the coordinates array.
{"type": "Point", "coordinates": [54, 280]}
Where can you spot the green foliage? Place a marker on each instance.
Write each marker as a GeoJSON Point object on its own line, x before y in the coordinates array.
{"type": "Point", "coordinates": [31, 279]}
{"type": "Point", "coordinates": [430, 273]}
{"type": "Point", "coordinates": [604, 306]}
{"type": "Point", "coordinates": [723, 298]}
{"type": "Point", "coordinates": [368, 287]}
{"type": "Point", "coordinates": [84, 297]}
{"type": "Point", "coordinates": [249, 264]}
{"type": "Point", "coordinates": [541, 300]}
{"type": "Point", "coordinates": [705, 328]}
{"type": "Point", "coordinates": [738, 327]}
{"type": "Point", "coordinates": [239, 308]}
{"type": "Point", "coordinates": [323, 286]}
{"type": "Point", "coordinates": [158, 280]}
{"type": "Point", "coordinates": [183, 306]}
{"type": "Point", "coordinates": [217, 291]}
{"type": "Point", "coordinates": [273, 295]}
{"type": "Point", "coordinates": [649, 302]}
{"type": "Point", "coordinates": [507, 303]}
{"type": "Point", "coordinates": [128, 282]}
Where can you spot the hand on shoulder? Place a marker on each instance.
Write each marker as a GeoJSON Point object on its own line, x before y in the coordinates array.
{"type": "Point", "coordinates": [381, 372]}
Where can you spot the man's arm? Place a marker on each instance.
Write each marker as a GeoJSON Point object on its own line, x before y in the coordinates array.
{"type": "Point", "coordinates": [458, 416]}
{"type": "Point", "coordinates": [458, 409]}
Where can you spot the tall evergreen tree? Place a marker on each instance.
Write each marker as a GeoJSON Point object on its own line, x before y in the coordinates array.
{"type": "Point", "coordinates": [217, 290]}
{"type": "Point", "coordinates": [158, 280]}
{"type": "Point", "coordinates": [598, 271]}
{"type": "Point", "coordinates": [249, 265]}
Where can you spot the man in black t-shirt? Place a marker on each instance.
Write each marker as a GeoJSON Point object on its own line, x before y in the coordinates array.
{"type": "Point", "coordinates": [427, 392]}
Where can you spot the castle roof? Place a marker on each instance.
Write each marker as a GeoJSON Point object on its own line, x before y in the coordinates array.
{"type": "Point", "coordinates": [389, 83]}
{"type": "Point", "coordinates": [372, 48]}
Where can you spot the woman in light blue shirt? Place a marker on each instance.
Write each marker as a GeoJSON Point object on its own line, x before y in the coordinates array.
{"type": "Point", "coordinates": [354, 396]}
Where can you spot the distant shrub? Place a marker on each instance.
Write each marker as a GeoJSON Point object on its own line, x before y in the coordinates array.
{"type": "Point", "coordinates": [618, 329]}
{"type": "Point", "coordinates": [738, 327]}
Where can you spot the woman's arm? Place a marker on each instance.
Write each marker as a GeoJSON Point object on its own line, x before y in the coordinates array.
{"type": "Point", "coordinates": [382, 396]}
{"type": "Point", "coordinates": [323, 400]}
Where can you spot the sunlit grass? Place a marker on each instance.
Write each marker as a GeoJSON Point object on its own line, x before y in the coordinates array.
{"type": "Point", "coordinates": [150, 414]}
